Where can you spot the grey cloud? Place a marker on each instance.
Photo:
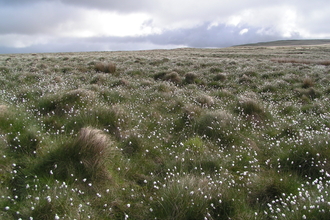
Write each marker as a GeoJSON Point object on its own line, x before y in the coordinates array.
{"type": "Point", "coordinates": [112, 5]}
{"type": "Point", "coordinates": [34, 19]}
{"type": "Point", "coordinates": [199, 36]}
{"type": "Point", "coordinates": [182, 23]}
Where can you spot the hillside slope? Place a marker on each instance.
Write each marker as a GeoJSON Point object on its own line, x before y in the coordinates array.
{"type": "Point", "coordinates": [291, 43]}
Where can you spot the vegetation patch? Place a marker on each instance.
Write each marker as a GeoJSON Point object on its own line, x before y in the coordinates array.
{"type": "Point", "coordinates": [174, 134]}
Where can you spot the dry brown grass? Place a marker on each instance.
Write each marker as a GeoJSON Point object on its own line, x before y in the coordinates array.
{"type": "Point", "coordinates": [307, 83]}
{"type": "Point", "coordinates": [190, 78]}
{"type": "Point", "coordinates": [91, 148]}
{"type": "Point", "coordinates": [173, 77]}
{"type": "Point", "coordinates": [105, 67]}
{"type": "Point", "coordinates": [3, 109]}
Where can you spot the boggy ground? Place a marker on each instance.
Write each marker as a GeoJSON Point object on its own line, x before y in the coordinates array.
{"type": "Point", "coordinates": [232, 133]}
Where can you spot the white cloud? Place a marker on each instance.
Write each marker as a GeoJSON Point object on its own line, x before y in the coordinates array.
{"type": "Point", "coordinates": [244, 31]}
{"type": "Point", "coordinates": [101, 23]}
{"type": "Point", "coordinates": [234, 20]}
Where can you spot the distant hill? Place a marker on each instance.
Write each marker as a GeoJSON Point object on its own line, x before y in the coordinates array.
{"type": "Point", "coordinates": [290, 43]}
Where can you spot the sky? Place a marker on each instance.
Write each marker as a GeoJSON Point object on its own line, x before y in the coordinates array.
{"type": "Point", "coordinates": [39, 26]}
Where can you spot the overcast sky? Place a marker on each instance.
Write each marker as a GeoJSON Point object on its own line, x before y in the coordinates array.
{"type": "Point", "coordinates": [29, 26]}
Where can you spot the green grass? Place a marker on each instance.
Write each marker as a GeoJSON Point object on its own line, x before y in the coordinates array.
{"type": "Point", "coordinates": [174, 134]}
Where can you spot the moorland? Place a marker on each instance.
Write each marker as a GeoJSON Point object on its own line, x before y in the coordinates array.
{"type": "Point", "coordinates": [231, 133]}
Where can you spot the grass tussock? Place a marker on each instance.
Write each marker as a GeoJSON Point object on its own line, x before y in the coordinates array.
{"type": "Point", "coordinates": [83, 157]}
{"type": "Point", "coordinates": [218, 126]}
{"type": "Point", "coordinates": [220, 77]}
{"type": "Point", "coordinates": [177, 197]}
{"type": "Point", "coordinates": [205, 101]}
{"type": "Point", "coordinates": [251, 109]}
{"type": "Point", "coordinates": [307, 83]}
{"type": "Point", "coordinates": [190, 78]}
{"type": "Point", "coordinates": [105, 67]}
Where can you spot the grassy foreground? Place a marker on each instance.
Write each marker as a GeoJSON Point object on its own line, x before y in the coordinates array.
{"type": "Point", "coordinates": [234, 133]}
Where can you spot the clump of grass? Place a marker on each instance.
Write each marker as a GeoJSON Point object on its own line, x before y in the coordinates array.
{"type": "Point", "coordinates": [215, 70]}
{"type": "Point", "coordinates": [21, 132]}
{"type": "Point", "coordinates": [99, 79]}
{"type": "Point", "coordinates": [58, 79]}
{"type": "Point", "coordinates": [244, 79]}
{"type": "Point", "coordinates": [220, 77]}
{"type": "Point", "coordinates": [105, 67]}
{"type": "Point", "coordinates": [269, 88]}
{"type": "Point", "coordinates": [112, 120]}
{"type": "Point", "coordinates": [83, 157]}
{"type": "Point", "coordinates": [269, 186]}
{"type": "Point", "coordinates": [91, 148]}
{"type": "Point", "coordinates": [205, 101]}
{"type": "Point", "coordinates": [60, 104]}
{"type": "Point", "coordinates": [310, 93]}
{"type": "Point", "coordinates": [194, 144]}
{"type": "Point", "coordinates": [190, 78]}
{"type": "Point", "coordinates": [218, 126]}
{"type": "Point", "coordinates": [251, 109]}
{"type": "Point", "coordinates": [191, 112]}
{"type": "Point", "coordinates": [121, 82]}
{"type": "Point", "coordinates": [160, 76]}
{"type": "Point", "coordinates": [173, 77]}
{"type": "Point", "coordinates": [191, 198]}
{"type": "Point", "coordinates": [25, 141]}
{"type": "Point", "coordinates": [304, 160]}
{"type": "Point", "coordinates": [307, 83]}
{"type": "Point", "coordinates": [131, 145]}
{"type": "Point", "coordinates": [189, 115]}
{"type": "Point", "coordinates": [224, 94]}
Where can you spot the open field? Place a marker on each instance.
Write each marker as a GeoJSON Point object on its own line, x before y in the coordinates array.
{"type": "Point", "coordinates": [233, 133]}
